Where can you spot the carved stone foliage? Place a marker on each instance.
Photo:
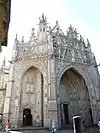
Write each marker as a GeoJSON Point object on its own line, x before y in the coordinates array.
{"type": "Point", "coordinates": [71, 47]}
{"type": "Point", "coordinates": [68, 47]}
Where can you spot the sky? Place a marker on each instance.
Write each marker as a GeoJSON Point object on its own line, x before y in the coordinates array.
{"type": "Point", "coordinates": [82, 14]}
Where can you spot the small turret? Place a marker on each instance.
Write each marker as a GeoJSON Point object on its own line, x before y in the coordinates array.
{"type": "Point", "coordinates": [41, 35]}
{"type": "Point", "coordinates": [15, 42]}
{"type": "Point", "coordinates": [22, 39]}
{"type": "Point", "coordinates": [14, 52]}
{"type": "Point", "coordinates": [88, 45]}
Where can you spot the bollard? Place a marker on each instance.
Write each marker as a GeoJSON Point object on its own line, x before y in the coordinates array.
{"type": "Point", "coordinates": [78, 124]}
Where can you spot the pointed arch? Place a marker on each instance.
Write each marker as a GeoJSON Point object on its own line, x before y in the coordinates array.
{"type": "Point", "coordinates": [78, 70]}
{"type": "Point", "coordinates": [83, 72]}
{"type": "Point", "coordinates": [27, 105]}
{"type": "Point", "coordinates": [34, 74]}
{"type": "Point", "coordinates": [73, 91]}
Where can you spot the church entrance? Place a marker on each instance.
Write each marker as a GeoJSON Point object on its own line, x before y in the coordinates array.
{"type": "Point", "coordinates": [66, 114]}
{"type": "Point", "coordinates": [32, 98]}
{"type": "Point", "coordinates": [74, 98]}
{"type": "Point", "coordinates": [27, 117]}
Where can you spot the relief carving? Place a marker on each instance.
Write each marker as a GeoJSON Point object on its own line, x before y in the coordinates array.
{"type": "Point", "coordinates": [30, 87]}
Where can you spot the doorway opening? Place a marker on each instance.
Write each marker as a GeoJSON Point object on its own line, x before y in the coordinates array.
{"type": "Point", "coordinates": [91, 115]}
{"type": "Point", "coordinates": [74, 97]}
{"type": "Point", "coordinates": [27, 117]}
{"type": "Point", "coordinates": [66, 114]}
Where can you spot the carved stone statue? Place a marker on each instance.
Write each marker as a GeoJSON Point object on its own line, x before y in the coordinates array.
{"type": "Point", "coordinates": [70, 28]}
{"type": "Point", "coordinates": [75, 34]}
{"type": "Point", "coordinates": [70, 32]}
{"type": "Point", "coordinates": [81, 39]}
{"type": "Point", "coordinates": [56, 22]}
{"type": "Point", "coordinates": [88, 43]}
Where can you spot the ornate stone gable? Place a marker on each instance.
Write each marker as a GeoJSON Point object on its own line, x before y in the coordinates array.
{"type": "Point", "coordinates": [69, 47]}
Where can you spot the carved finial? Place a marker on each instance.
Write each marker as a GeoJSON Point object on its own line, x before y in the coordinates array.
{"type": "Point", "coordinates": [22, 38]}
{"type": "Point", "coordinates": [33, 32]}
{"type": "Point", "coordinates": [70, 28]}
{"type": "Point", "coordinates": [56, 22]}
{"type": "Point", "coordinates": [75, 29]}
{"type": "Point", "coordinates": [88, 43]}
{"type": "Point", "coordinates": [16, 37]}
{"type": "Point", "coordinates": [75, 33]}
{"type": "Point", "coordinates": [81, 38]}
{"type": "Point", "coordinates": [33, 29]}
{"type": "Point", "coordinates": [43, 19]}
{"type": "Point", "coordinates": [43, 16]}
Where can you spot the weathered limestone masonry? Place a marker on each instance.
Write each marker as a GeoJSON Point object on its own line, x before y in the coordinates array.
{"type": "Point", "coordinates": [52, 76]}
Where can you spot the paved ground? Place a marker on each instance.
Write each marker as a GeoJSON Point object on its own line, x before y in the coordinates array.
{"type": "Point", "coordinates": [91, 130]}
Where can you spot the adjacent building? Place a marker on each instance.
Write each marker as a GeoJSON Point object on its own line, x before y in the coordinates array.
{"type": "Point", "coordinates": [5, 7]}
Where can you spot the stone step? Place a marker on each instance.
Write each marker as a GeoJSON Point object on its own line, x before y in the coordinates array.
{"type": "Point", "coordinates": [71, 126]}
{"type": "Point", "coordinates": [28, 128]}
{"type": "Point", "coordinates": [42, 128]}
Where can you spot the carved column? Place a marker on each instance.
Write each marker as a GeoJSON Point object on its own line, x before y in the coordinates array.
{"type": "Point", "coordinates": [52, 103]}
{"type": "Point", "coordinates": [45, 103]}
{"type": "Point", "coordinates": [8, 94]}
{"type": "Point", "coordinates": [93, 103]}
{"type": "Point", "coordinates": [73, 56]}
{"type": "Point", "coordinates": [95, 93]}
{"type": "Point", "coordinates": [59, 105]}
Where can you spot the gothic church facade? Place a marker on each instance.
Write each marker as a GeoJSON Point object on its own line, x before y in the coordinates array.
{"type": "Point", "coordinates": [52, 76]}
